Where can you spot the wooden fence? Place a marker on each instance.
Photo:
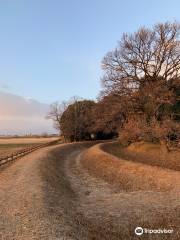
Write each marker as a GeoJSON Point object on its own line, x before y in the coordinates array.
{"type": "Point", "coordinates": [23, 152]}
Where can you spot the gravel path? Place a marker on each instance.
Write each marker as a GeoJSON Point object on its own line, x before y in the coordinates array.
{"type": "Point", "coordinates": [38, 199]}
{"type": "Point", "coordinates": [48, 195]}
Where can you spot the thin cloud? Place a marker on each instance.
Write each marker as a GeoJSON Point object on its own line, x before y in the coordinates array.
{"type": "Point", "coordinates": [20, 115]}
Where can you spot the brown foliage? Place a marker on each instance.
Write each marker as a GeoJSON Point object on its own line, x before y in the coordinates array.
{"type": "Point", "coordinates": [144, 72]}
{"type": "Point", "coordinates": [77, 119]}
{"type": "Point", "coordinates": [109, 114]}
{"type": "Point", "coordinates": [138, 129]}
{"type": "Point", "coordinates": [141, 94]}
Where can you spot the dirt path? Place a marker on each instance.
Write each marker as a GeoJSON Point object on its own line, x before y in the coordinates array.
{"type": "Point", "coordinates": [48, 195]}
{"type": "Point", "coordinates": [37, 199]}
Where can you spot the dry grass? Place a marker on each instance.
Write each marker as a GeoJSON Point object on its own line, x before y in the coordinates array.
{"type": "Point", "coordinates": [147, 153]}
{"type": "Point", "coordinates": [10, 145]}
{"type": "Point", "coordinates": [29, 140]}
{"type": "Point", "coordinates": [75, 191]}
{"type": "Point", "coordinates": [129, 175]}
{"type": "Point", "coordinates": [144, 195]}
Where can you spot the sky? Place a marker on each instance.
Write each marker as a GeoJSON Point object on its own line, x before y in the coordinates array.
{"type": "Point", "coordinates": [52, 49]}
{"type": "Point", "coordinates": [23, 116]}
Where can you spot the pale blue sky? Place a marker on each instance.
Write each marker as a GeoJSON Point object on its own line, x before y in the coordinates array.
{"type": "Point", "coordinates": [52, 49]}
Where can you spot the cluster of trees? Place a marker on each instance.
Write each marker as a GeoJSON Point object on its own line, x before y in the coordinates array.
{"type": "Point", "coordinates": [140, 99]}
{"type": "Point", "coordinates": [78, 120]}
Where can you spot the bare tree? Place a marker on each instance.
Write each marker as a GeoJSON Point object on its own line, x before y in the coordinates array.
{"type": "Point", "coordinates": [143, 73]}
{"type": "Point", "coordinates": [142, 57]}
{"type": "Point", "coordinates": [55, 113]}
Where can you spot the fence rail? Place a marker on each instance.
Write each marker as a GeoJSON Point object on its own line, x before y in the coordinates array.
{"type": "Point", "coordinates": [23, 152]}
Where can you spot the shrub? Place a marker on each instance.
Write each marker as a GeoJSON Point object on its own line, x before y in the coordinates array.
{"type": "Point", "coordinates": [167, 131]}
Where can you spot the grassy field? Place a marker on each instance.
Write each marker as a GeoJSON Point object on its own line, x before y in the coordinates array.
{"type": "Point", "coordinates": [145, 191]}
{"type": "Point", "coordinates": [147, 153]}
{"type": "Point", "coordinates": [10, 145]}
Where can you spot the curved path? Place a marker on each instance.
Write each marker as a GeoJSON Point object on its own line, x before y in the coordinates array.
{"type": "Point", "coordinates": [48, 195]}
{"type": "Point", "coordinates": [37, 199]}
